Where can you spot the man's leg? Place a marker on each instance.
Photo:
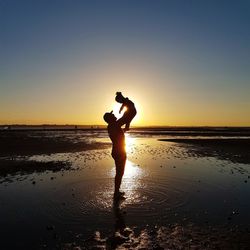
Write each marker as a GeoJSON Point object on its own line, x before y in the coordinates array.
{"type": "Point", "coordinates": [120, 166]}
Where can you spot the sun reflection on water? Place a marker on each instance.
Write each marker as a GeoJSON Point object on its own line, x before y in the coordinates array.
{"type": "Point", "coordinates": [131, 181]}
{"type": "Point", "coordinates": [131, 171]}
{"type": "Point", "coordinates": [130, 142]}
{"type": "Point", "coordinates": [131, 184]}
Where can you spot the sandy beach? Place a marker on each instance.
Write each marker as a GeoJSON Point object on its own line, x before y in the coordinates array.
{"type": "Point", "coordinates": [56, 191]}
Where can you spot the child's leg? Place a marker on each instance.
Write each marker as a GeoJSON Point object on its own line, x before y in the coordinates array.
{"type": "Point", "coordinates": [127, 126]}
{"type": "Point", "coordinates": [127, 118]}
{"type": "Point", "coordinates": [123, 120]}
{"type": "Point", "coordinates": [130, 117]}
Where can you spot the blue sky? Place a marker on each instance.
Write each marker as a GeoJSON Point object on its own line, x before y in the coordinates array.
{"type": "Point", "coordinates": [60, 59]}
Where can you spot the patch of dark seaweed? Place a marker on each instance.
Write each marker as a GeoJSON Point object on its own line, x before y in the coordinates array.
{"type": "Point", "coordinates": [234, 150]}
{"type": "Point", "coordinates": [13, 144]}
{"type": "Point", "coordinates": [17, 168]}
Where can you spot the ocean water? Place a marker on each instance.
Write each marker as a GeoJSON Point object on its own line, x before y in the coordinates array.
{"type": "Point", "coordinates": [164, 183]}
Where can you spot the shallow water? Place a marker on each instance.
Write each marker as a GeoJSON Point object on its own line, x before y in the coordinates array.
{"type": "Point", "coordinates": [163, 184]}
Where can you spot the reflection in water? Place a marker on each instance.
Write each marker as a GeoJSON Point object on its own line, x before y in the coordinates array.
{"type": "Point", "coordinates": [131, 171]}
{"type": "Point", "coordinates": [102, 198]}
{"type": "Point", "coordinates": [130, 142]}
{"type": "Point", "coordinates": [131, 181]}
{"type": "Point", "coordinates": [119, 219]}
{"type": "Point", "coordinates": [121, 235]}
{"type": "Point", "coordinates": [121, 232]}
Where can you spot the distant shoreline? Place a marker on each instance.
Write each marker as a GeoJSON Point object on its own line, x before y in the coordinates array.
{"type": "Point", "coordinates": [87, 127]}
{"type": "Point", "coordinates": [150, 131]}
{"type": "Point", "coordinates": [80, 127]}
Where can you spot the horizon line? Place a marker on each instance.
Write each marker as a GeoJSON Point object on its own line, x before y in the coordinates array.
{"type": "Point", "coordinates": [104, 125]}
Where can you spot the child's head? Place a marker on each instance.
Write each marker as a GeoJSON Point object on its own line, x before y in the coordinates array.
{"type": "Point", "coordinates": [119, 97]}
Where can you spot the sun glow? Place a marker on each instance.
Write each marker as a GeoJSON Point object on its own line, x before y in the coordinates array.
{"type": "Point", "coordinates": [116, 108]}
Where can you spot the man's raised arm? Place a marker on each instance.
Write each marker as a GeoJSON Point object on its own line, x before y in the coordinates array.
{"type": "Point", "coordinates": [120, 122]}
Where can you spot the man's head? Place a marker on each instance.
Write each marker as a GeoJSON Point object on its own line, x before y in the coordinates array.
{"type": "Point", "coordinates": [109, 117]}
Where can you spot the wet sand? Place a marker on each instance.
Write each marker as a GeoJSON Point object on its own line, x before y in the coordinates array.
{"type": "Point", "coordinates": [235, 150]}
{"type": "Point", "coordinates": [11, 170]}
{"type": "Point", "coordinates": [20, 143]}
{"type": "Point", "coordinates": [175, 197]}
{"type": "Point", "coordinates": [17, 146]}
{"type": "Point", "coordinates": [170, 237]}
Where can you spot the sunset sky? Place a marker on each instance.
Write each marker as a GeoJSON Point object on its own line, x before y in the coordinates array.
{"type": "Point", "coordinates": [181, 62]}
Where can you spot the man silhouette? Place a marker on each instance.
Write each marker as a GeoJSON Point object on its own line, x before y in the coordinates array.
{"type": "Point", "coordinates": [119, 155]}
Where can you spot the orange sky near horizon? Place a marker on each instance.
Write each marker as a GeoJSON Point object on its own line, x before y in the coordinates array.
{"type": "Point", "coordinates": [166, 104]}
{"type": "Point", "coordinates": [160, 97]}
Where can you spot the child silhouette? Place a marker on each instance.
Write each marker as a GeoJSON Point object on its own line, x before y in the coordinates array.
{"type": "Point", "coordinates": [130, 111]}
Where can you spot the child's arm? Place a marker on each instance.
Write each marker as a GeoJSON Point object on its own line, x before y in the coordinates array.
{"type": "Point", "coordinates": [121, 108]}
